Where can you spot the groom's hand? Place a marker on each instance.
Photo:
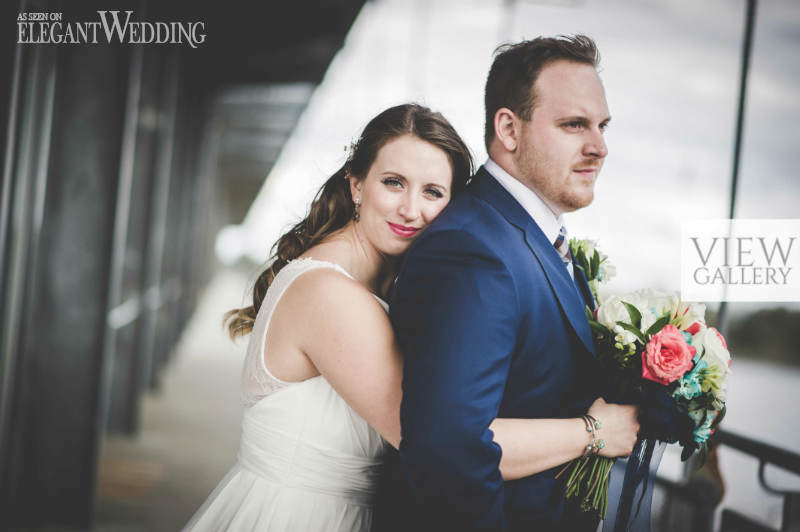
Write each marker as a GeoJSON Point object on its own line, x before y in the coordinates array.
{"type": "Point", "coordinates": [618, 427]}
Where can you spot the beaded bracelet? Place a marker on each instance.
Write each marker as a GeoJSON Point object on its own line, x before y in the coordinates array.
{"type": "Point", "coordinates": [590, 429]}
{"type": "Point", "coordinates": [592, 426]}
{"type": "Point", "coordinates": [596, 425]}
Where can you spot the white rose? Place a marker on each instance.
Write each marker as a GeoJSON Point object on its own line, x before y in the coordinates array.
{"type": "Point", "coordinates": [709, 344]}
{"type": "Point", "coordinates": [610, 311]}
{"type": "Point", "coordinates": [653, 304]}
{"type": "Point", "coordinates": [658, 302]}
{"type": "Point", "coordinates": [648, 318]}
{"type": "Point", "coordinates": [639, 299]}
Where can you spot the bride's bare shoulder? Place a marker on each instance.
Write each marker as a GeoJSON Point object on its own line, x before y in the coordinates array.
{"type": "Point", "coordinates": [329, 288]}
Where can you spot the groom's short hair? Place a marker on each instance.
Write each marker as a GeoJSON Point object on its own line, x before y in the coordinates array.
{"type": "Point", "coordinates": [516, 67]}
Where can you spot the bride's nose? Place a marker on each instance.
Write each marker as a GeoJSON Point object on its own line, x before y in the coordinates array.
{"type": "Point", "coordinates": [409, 207]}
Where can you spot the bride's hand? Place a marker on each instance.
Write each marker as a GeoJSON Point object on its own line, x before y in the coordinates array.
{"type": "Point", "coordinates": [618, 427]}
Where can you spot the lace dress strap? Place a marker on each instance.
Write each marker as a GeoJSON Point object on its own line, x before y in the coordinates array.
{"type": "Point", "coordinates": [257, 380]}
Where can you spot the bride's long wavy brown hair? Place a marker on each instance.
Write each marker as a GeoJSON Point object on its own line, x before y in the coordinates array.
{"type": "Point", "coordinates": [332, 207]}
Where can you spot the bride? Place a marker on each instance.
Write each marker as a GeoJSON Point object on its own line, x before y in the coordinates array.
{"type": "Point", "coordinates": [322, 373]}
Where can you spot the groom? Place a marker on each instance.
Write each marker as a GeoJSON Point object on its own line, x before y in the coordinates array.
{"type": "Point", "coordinates": [488, 308]}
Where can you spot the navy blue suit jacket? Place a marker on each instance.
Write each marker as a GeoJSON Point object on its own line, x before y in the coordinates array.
{"type": "Point", "coordinates": [491, 325]}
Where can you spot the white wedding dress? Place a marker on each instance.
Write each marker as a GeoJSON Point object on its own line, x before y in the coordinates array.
{"type": "Point", "coordinates": [307, 461]}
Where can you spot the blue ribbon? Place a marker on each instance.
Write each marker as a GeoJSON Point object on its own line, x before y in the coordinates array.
{"type": "Point", "coordinates": [630, 494]}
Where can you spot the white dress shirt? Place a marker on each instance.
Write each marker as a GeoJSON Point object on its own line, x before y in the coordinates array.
{"type": "Point", "coordinates": [531, 202]}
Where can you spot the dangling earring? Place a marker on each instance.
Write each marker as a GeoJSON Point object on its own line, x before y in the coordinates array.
{"type": "Point", "coordinates": [357, 203]}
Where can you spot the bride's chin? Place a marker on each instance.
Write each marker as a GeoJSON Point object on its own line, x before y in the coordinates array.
{"type": "Point", "coordinates": [396, 251]}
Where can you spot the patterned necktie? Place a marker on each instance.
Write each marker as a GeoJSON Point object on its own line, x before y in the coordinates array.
{"type": "Point", "coordinates": [562, 245]}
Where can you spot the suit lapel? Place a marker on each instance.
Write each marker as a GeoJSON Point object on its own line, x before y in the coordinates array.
{"type": "Point", "coordinates": [557, 275]}
{"type": "Point", "coordinates": [583, 286]}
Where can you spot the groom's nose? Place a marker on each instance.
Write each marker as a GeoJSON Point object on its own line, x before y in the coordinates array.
{"type": "Point", "coordinates": [595, 145]}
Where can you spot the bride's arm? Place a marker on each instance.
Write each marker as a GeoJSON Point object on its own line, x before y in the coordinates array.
{"type": "Point", "coordinates": [534, 445]}
{"type": "Point", "coordinates": [348, 337]}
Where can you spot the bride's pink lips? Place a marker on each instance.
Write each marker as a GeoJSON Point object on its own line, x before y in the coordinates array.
{"type": "Point", "coordinates": [402, 230]}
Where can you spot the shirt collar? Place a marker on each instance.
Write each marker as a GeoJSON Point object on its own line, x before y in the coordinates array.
{"type": "Point", "coordinates": [530, 201]}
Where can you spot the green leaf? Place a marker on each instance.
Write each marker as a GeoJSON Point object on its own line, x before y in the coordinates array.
{"type": "Point", "coordinates": [658, 325]}
{"type": "Point", "coordinates": [630, 328]}
{"type": "Point", "coordinates": [601, 329]}
{"type": "Point", "coordinates": [595, 264]}
{"type": "Point", "coordinates": [573, 246]}
{"type": "Point", "coordinates": [636, 316]}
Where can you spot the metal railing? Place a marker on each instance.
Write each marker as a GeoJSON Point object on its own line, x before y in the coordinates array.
{"type": "Point", "coordinates": [704, 508]}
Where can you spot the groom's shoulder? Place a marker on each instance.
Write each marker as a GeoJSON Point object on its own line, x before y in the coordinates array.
{"type": "Point", "coordinates": [467, 223]}
{"type": "Point", "coordinates": [470, 213]}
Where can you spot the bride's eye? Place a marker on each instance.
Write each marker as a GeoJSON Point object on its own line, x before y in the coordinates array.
{"type": "Point", "coordinates": [434, 193]}
{"type": "Point", "coordinates": [392, 182]}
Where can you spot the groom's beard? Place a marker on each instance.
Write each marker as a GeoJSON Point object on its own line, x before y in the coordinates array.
{"type": "Point", "coordinates": [559, 187]}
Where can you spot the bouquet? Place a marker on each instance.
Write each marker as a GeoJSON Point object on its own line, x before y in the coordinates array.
{"type": "Point", "coordinates": [657, 352]}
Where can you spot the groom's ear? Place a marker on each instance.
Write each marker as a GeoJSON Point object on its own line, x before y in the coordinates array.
{"type": "Point", "coordinates": [505, 128]}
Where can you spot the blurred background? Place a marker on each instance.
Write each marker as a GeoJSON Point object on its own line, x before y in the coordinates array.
{"type": "Point", "coordinates": [143, 186]}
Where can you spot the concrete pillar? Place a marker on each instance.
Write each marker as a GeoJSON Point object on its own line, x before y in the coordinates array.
{"type": "Point", "coordinates": [55, 417]}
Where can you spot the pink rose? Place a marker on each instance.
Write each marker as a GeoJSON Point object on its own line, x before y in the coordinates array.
{"type": "Point", "coordinates": [667, 356]}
